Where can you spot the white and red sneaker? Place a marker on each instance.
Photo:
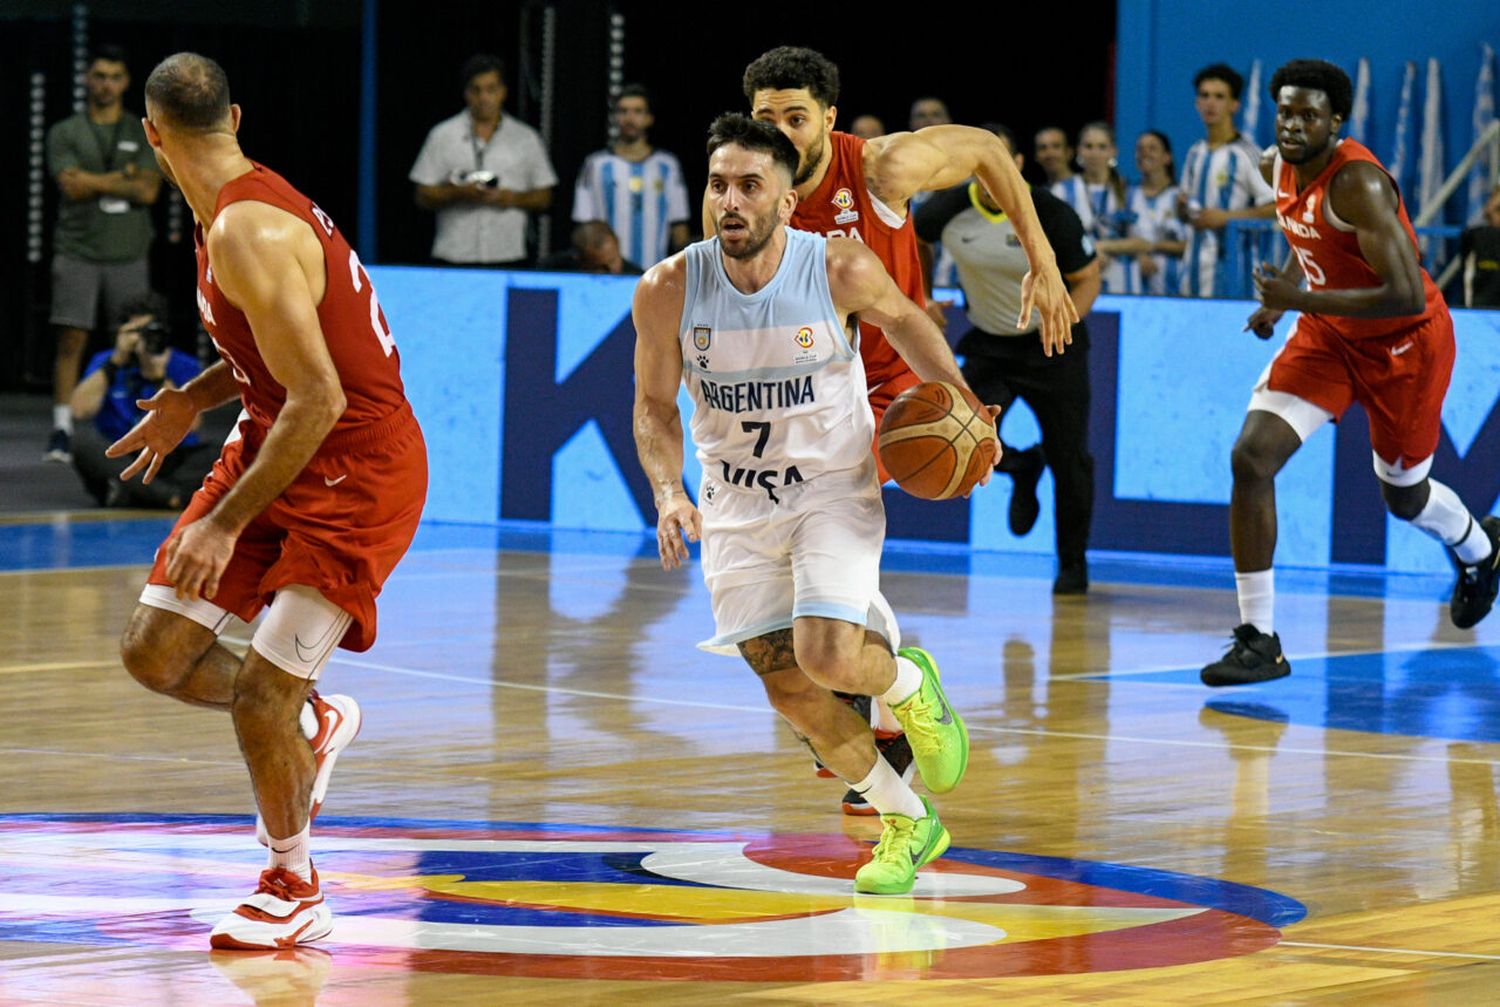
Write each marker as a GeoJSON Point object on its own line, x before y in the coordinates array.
{"type": "Point", "coordinates": [284, 911]}
{"type": "Point", "coordinates": [339, 721]}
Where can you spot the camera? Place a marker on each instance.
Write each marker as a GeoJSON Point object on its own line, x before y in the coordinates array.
{"type": "Point", "coordinates": [155, 338]}
{"type": "Point", "coordinates": [479, 176]}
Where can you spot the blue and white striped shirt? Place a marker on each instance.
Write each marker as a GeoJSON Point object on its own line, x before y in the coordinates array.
{"type": "Point", "coordinates": [640, 200]}
{"type": "Point", "coordinates": [1226, 177]}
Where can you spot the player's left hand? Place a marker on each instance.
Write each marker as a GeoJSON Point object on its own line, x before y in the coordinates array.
{"type": "Point", "coordinates": [1273, 290]}
{"type": "Point", "coordinates": [1045, 291]}
{"type": "Point", "coordinates": [170, 415]}
{"type": "Point", "coordinates": [196, 558]}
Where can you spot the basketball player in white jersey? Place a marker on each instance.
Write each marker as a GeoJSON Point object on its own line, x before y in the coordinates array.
{"type": "Point", "coordinates": [755, 321]}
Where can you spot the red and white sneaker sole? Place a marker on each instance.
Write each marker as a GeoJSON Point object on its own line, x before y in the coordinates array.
{"type": "Point", "coordinates": [239, 932]}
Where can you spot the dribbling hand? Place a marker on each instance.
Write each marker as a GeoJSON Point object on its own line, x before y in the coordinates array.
{"type": "Point", "coordinates": [676, 520]}
{"type": "Point", "coordinates": [170, 414]}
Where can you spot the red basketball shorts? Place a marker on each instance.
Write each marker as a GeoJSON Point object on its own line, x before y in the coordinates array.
{"type": "Point", "coordinates": [340, 527]}
{"type": "Point", "coordinates": [1400, 380]}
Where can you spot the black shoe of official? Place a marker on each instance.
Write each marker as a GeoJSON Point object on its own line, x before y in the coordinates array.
{"type": "Point", "coordinates": [1253, 657]}
{"type": "Point", "coordinates": [1474, 594]}
{"type": "Point", "coordinates": [897, 751]}
{"type": "Point", "coordinates": [59, 448]}
{"type": "Point", "coordinates": [1072, 578]}
{"type": "Point", "coordinates": [1024, 506]}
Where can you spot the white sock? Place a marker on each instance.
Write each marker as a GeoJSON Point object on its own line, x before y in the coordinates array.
{"type": "Point", "coordinates": [888, 793]}
{"type": "Point", "coordinates": [62, 418]}
{"type": "Point", "coordinates": [1446, 519]}
{"type": "Point", "coordinates": [294, 853]}
{"type": "Point", "coordinates": [308, 721]}
{"type": "Point", "coordinates": [908, 680]}
{"type": "Point", "coordinates": [1257, 594]}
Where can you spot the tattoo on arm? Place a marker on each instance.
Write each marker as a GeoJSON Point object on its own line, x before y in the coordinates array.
{"type": "Point", "coordinates": [772, 652]}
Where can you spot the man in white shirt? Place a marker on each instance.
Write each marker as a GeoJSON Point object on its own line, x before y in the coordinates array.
{"type": "Point", "coordinates": [481, 172]}
{"type": "Point", "coordinates": [633, 187]}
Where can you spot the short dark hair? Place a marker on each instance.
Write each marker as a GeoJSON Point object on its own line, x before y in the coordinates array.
{"type": "Point", "coordinates": [743, 131]}
{"type": "Point", "coordinates": [150, 303]}
{"type": "Point", "coordinates": [190, 90]}
{"type": "Point", "coordinates": [1067, 137]}
{"type": "Point", "coordinates": [1316, 75]}
{"type": "Point", "coordinates": [108, 51]}
{"type": "Point", "coordinates": [793, 66]}
{"type": "Point", "coordinates": [1224, 72]}
{"type": "Point", "coordinates": [635, 91]}
{"type": "Point", "coordinates": [1005, 133]}
{"type": "Point", "coordinates": [479, 63]}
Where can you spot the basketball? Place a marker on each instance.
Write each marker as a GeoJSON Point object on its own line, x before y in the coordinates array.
{"type": "Point", "coordinates": [934, 444]}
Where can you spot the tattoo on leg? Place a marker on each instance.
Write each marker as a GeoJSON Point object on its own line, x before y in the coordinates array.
{"type": "Point", "coordinates": [772, 652]}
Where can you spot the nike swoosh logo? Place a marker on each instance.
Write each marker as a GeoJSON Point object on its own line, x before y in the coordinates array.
{"type": "Point", "coordinates": [332, 719]}
{"type": "Point", "coordinates": [334, 482]}
{"type": "Point", "coordinates": [947, 717]}
{"type": "Point", "coordinates": [307, 652]}
{"type": "Point", "coordinates": [1402, 349]}
{"type": "Point", "coordinates": [275, 850]}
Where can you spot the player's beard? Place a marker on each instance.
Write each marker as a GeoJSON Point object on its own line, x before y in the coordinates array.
{"type": "Point", "coordinates": [810, 162]}
{"type": "Point", "coordinates": [757, 236]}
{"type": "Point", "coordinates": [1307, 153]}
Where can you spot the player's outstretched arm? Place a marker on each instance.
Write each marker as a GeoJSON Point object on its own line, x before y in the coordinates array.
{"type": "Point", "coordinates": [901, 164]}
{"type": "Point", "coordinates": [170, 414]}
{"type": "Point", "coordinates": [657, 313]}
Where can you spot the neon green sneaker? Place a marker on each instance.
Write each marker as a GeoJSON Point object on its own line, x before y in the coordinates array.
{"type": "Point", "coordinates": [939, 740]}
{"type": "Point", "coordinates": [905, 845]}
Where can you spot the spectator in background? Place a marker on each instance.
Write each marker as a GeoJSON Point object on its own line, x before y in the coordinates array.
{"type": "Point", "coordinates": [108, 178]}
{"type": "Point", "coordinates": [1003, 362]}
{"type": "Point", "coordinates": [1153, 207]}
{"type": "Point", "coordinates": [1108, 218]}
{"type": "Point", "coordinates": [481, 172]}
{"type": "Point", "coordinates": [633, 187]}
{"type": "Point", "coordinates": [1221, 181]}
{"type": "Point", "coordinates": [1479, 248]}
{"type": "Point", "coordinates": [867, 127]}
{"type": "Point", "coordinates": [926, 112]}
{"type": "Point", "coordinates": [595, 249]}
{"type": "Point", "coordinates": [142, 362]}
{"type": "Point", "coordinates": [1055, 155]}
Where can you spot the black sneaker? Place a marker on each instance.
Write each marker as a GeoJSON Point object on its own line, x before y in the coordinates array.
{"type": "Point", "coordinates": [59, 448]}
{"type": "Point", "coordinates": [1024, 506]}
{"type": "Point", "coordinates": [1072, 578]}
{"type": "Point", "coordinates": [897, 751]}
{"type": "Point", "coordinates": [1474, 594]}
{"type": "Point", "coordinates": [1253, 657]}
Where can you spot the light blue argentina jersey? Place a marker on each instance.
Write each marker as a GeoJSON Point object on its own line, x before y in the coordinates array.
{"type": "Point", "coordinates": [779, 393]}
{"type": "Point", "coordinates": [640, 200]}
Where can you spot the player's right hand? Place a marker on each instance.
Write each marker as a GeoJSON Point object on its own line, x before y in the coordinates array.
{"type": "Point", "coordinates": [676, 520]}
{"type": "Point", "coordinates": [170, 414]}
{"type": "Point", "coordinates": [1263, 322]}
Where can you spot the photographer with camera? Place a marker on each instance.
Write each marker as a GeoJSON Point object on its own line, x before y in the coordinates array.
{"type": "Point", "coordinates": [481, 172]}
{"type": "Point", "coordinates": [141, 362]}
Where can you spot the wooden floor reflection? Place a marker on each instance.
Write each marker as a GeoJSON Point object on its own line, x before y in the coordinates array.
{"type": "Point", "coordinates": [563, 688]}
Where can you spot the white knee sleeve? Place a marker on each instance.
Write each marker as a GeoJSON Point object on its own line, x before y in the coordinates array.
{"type": "Point", "coordinates": [205, 613]}
{"type": "Point", "coordinates": [300, 631]}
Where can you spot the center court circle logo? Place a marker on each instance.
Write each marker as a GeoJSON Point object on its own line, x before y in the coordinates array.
{"type": "Point", "coordinates": [572, 901]}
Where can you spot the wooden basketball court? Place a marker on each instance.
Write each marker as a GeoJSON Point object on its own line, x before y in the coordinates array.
{"type": "Point", "coordinates": [558, 799]}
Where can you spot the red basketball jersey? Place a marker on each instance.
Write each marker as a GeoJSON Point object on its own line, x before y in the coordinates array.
{"type": "Point", "coordinates": [359, 341]}
{"type": "Point", "coordinates": [842, 206]}
{"type": "Point", "coordinates": [1329, 250]}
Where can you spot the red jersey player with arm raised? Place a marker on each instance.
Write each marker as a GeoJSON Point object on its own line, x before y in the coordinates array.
{"type": "Point", "coordinates": [1373, 329]}
{"type": "Point", "coordinates": [850, 187]}
{"type": "Point", "coordinates": [313, 501]}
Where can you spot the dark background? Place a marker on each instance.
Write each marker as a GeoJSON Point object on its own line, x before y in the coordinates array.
{"type": "Point", "coordinates": [294, 67]}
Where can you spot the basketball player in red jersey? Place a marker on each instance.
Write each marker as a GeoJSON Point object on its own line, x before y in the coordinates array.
{"type": "Point", "coordinates": [1373, 329]}
{"type": "Point", "coordinates": [313, 501]}
{"type": "Point", "coordinates": [850, 187]}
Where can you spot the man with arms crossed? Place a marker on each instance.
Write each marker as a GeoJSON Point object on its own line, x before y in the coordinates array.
{"type": "Point", "coordinates": [1373, 329]}
{"type": "Point", "coordinates": [312, 503]}
{"type": "Point", "coordinates": [755, 321]}
{"type": "Point", "coordinates": [849, 187]}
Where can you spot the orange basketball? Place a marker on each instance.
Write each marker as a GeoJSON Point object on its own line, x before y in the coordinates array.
{"type": "Point", "coordinates": [934, 444]}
